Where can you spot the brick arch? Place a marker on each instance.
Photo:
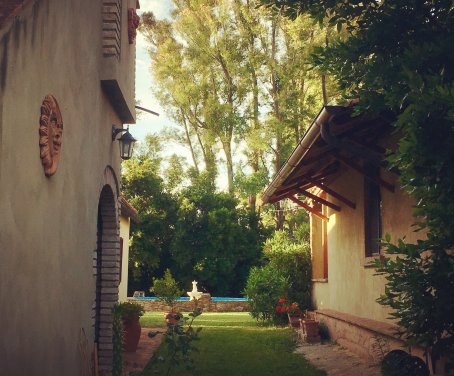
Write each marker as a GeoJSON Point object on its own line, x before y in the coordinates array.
{"type": "Point", "coordinates": [110, 178]}
{"type": "Point", "coordinates": [106, 268]}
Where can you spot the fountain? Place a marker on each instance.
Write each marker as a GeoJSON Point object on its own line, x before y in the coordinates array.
{"type": "Point", "coordinates": [194, 294]}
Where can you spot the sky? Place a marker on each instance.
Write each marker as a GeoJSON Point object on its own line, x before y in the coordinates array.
{"type": "Point", "coordinates": [148, 123]}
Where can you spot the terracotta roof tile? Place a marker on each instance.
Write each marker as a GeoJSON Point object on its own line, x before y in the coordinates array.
{"type": "Point", "coordinates": [128, 210]}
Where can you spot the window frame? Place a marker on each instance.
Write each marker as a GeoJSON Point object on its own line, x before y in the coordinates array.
{"type": "Point", "coordinates": [373, 213]}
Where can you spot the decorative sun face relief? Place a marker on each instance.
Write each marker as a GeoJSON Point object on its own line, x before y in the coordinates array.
{"type": "Point", "coordinates": [133, 24]}
{"type": "Point", "coordinates": [50, 134]}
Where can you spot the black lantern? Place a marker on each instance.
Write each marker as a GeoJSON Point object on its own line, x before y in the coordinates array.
{"type": "Point", "coordinates": [126, 142]}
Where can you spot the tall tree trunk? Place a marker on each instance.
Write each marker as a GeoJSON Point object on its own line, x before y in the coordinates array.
{"type": "Point", "coordinates": [277, 114]}
{"type": "Point", "coordinates": [254, 125]}
{"type": "Point", "coordinates": [247, 29]}
{"type": "Point", "coordinates": [189, 142]}
{"type": "Point", "coordinates": [227, 147]}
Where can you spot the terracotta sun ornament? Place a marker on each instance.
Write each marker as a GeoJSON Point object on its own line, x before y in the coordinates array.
{"type": "Point", "coordinates": [50, 134]}
{"type": "Point", "coordinates": [133, 24]}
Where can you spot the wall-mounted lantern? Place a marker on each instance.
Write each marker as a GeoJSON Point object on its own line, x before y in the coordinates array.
{"type": "Point", "coordinates": [126, 142]}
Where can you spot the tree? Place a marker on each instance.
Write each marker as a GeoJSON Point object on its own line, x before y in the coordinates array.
{"type": "Point", "coordinates": [151, 238]}
{"type": "Point", "coordinates": [399, 61]}
{"type": "Point", "coordinates": [235, 77]}
{"type": "Point", "coordinates": [215, 242]}
{"type": "Point", "coordinates": [202, 81]}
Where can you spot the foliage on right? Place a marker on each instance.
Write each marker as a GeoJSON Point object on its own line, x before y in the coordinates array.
{"type": "Point", "coordinates": [399, 60]}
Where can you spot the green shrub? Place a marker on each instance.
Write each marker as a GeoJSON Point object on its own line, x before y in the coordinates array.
{"type": "Point", "coordinates": [400, 363]}
{"type": "Point", "coordinates": [130, 311]}
{"type": "Point", "coordinates": [167, 289]}
{"type": "Point", "coordinates": [179, 347]}
{"type": "Point", "coordinates": [293, 261]}
{"type": "Point", "coordinates": [264, 287]}
{"type": "Point", "coordinates": [287, 275]}
{"type": "Point", "coordinates": [117, 340]}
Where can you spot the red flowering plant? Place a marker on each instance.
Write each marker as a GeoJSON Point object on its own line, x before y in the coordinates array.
{"type": "Point", "coordinates": [285, 308]}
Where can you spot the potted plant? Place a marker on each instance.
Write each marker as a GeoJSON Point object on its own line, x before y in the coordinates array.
{"type": "Point", "coordinates": [309, 328]}
{"type": "Point", "coordinates": [130, 314]}
{"type": "Point", "coordinates": [167, 290]}
{"type": "Point", "coordinates": [292, 311]}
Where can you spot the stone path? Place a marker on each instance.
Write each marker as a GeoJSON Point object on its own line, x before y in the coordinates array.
{"type": "Point", "coordinates": [336, 360]}
{"type": "Point", "coordinates": [136, 361]}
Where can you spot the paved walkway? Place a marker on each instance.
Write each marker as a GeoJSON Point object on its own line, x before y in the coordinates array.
{"type": "Point", "coordinates": [336, 360]}
{"type": "Point", "coordinates": [136, 361]}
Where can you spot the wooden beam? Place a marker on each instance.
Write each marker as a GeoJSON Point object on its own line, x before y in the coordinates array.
{"type": "Point", "coordinates": [281, 196]}
{"type": "Point", "coordinates": [355, 166]}
{"type": "Point", "coordinates": [333, 193]}
{"type": "Point", "coordinates": [317, 173]}
{"type": "Point", "coordinates": [308, 208]}
{"type": "Point", "coordinates": [319, 199]}
{"type": "Point", "coordinates": [283, 193]}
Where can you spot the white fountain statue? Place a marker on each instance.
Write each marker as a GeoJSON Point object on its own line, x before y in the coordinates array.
{"type": "Point", "coordinates": [194, 294]}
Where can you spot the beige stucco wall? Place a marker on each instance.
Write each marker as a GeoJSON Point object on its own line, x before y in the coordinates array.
{"type": "Point", "coordinates": [124, 233]}
{"type": "Point", "coordinates": [352, 287]}
{"type": "Point", "coordinates": [49, 225]}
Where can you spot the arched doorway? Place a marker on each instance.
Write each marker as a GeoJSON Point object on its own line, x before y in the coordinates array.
{"type": "Point", "coordinates": [106, 268]}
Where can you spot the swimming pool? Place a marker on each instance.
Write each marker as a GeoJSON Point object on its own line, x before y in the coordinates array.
{"type": "Point", "coordinates": [186, 298]}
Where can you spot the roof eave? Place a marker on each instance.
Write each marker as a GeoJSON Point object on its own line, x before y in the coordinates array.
{"type": "Point", "coordinates": [297, 155]}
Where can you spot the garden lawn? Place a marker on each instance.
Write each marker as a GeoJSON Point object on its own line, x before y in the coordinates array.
{"type": "Point", "coordinates": [233, 344]}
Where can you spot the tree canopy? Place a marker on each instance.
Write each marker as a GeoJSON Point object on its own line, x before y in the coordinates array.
{"type": "Point", "coordinates": [195, 231]}
{"type": "Point", "coordinates": [236, 79]}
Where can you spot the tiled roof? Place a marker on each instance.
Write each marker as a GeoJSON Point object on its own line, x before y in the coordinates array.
{"type": "Point", "coordinates": [8, 8]}
{"type": "Point", "coordinates": [128, 210]}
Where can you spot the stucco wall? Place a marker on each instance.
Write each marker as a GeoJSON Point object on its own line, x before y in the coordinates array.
{"type": "Point", "coordinates": [124, 233]}
{"type": "Point", "coordinates": [352, 287]}
{"type": "Point", "coordinates": [49, 225]}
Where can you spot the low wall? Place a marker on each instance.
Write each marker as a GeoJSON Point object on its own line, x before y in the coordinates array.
{"type": "Point", "coordinates": [205, 303]}
{"type": "Point", "coordinates": [359, 335]}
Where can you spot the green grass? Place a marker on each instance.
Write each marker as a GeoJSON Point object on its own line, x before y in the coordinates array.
{"type": "Point", "coordinates": [206, 320]}
{"type": "Point", "coordinates": [233, 344]}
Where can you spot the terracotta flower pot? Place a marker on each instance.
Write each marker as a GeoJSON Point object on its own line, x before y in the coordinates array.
{"type": "Point", "coordinates": [294, 320]}
{"type": "Point", "coordinates": [131, 335]}
{"type": "Point", "coordinates": [172, 318]}
{"type": "Point", "coordinates": [310, 330]}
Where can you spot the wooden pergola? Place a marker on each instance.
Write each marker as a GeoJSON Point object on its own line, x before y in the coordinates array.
{"type": "Point", "coordinates": [337, 139]}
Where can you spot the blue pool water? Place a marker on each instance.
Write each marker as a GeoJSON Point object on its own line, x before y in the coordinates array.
{"type": "Point", "coordinates": [213, 298]}
{"type": "Point", "coordinates": [220, 299]}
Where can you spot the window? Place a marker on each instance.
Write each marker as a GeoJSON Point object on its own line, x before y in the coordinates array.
{"type": "Point", "coordinates": [319, 243]}
{"type": "Point", "coordinates": [372, 213]}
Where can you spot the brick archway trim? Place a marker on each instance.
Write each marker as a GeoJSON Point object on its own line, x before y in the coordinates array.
{"type": "Point", "coordinates": [110, 178]}
{"type": "Point", "coordinates": [107, 264]}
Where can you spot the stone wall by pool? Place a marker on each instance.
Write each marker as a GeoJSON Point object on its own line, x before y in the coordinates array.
{"type": "Point", "coordinates": [206, 302]}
